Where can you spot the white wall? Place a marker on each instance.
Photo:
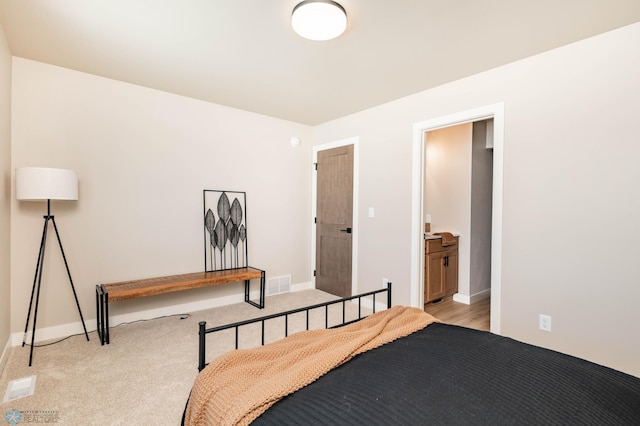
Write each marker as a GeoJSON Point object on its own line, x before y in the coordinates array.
{"type": "Point", "coordinates": [571, 197]}
{"type": "Point", "coordinates": [448, 190]}
{"type": "Point", "coordinates": [143, 159]}
{"type": "Point", "coordinates": [5, 192]}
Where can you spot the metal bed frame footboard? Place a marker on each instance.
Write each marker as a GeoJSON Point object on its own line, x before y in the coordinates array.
{"type": "Point", "coordinates": [203, 331]}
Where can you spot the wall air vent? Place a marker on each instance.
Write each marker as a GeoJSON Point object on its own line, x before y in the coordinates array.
{"type": "Point", "coordinates": [277, 285]}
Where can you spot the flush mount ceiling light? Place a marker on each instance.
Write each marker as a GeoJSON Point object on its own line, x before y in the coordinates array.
{"type": "Point", "coordinates": [319, 19]}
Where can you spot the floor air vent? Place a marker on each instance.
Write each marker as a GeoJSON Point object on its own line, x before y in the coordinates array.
{"type": "Point", "coordinates": [277, 285]}
{"type": "Point", "coordinates": [20, 388]}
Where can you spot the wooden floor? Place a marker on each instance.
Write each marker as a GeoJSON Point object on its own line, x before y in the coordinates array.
{"type": "Point", "coordinates": [476, 316]}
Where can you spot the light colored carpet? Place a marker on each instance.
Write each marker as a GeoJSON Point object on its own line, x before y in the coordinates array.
{"type": "Point", "coordinates": [144, 376]}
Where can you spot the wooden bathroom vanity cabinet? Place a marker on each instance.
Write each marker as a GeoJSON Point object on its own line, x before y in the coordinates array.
{"type": "Point", "coordinates": [441, 268]}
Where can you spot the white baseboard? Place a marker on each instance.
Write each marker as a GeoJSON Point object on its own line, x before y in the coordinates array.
{"type": "Point", "coordinates": [302, 286]}
{"type": "Point", "coordinates": [64, 330]}
{"type": "Point", "coordinates": [54, 332]}
{"type": "Point", "coordinates": [368, 303]}
{"type": "Point", "coordinates": [469, 300]}
{"type": "Point", "coordinates": [5, 355]}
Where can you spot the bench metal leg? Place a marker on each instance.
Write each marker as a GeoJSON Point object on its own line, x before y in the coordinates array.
{"type": "Point", "coordinates": [262, 288]}
{"type": "Point", "coordinates": [98, 312]}
{"type": "Point", "coordinates": [105, 330]}
{"type": "Point", "coordinates": [102, 314]}
{"type": "Point", "coordinates": [247, 288]}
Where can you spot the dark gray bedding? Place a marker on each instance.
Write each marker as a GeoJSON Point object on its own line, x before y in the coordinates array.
{"type": "Point", "coordinates": [449, 375]}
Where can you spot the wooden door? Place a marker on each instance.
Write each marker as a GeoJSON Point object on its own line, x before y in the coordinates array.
{"type": "Point", "coordinates": [334, 220]}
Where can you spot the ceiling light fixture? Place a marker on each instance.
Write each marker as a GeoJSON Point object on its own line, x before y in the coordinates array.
{"type": "Point", "coordinates": [319, 19]}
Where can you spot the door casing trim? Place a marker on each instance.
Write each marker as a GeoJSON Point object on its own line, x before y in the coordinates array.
{"type": "Point", "coordinates": [420, 129]}
{"type": "Point", "coordinates": [355, 141]}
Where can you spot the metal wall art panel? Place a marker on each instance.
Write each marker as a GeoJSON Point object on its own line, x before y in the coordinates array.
{"type": "Point", "coordinates": [225, 230]}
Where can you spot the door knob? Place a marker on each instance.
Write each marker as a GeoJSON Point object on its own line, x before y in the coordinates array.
{"type": "Point", "coordinates": [348, 230]}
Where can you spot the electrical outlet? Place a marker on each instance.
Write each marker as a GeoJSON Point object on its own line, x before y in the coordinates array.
{"type": "Point", "coordinates": [384, 282]}
{"type": "Point", "coordinates": [545, 322]}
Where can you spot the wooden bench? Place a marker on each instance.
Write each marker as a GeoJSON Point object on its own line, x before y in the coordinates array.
{"type": "Point", "coordinates": [112, 292]}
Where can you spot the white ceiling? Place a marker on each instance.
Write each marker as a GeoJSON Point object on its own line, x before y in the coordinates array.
{"type": "Point", "coordinates": [244, 54]}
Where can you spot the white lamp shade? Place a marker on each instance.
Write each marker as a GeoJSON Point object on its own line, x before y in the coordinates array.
{"type": "Point", "coordinates": [41, 183]}
{"type": "Point", "coordinates": [319, 19]}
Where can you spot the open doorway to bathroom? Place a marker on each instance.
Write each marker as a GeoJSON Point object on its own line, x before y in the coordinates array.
{"type": "Point", "coordinates": [458, 199]}
{"type": "Point", "coordinates": [420, 137]}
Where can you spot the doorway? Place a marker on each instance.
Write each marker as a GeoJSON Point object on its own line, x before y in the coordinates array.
{"type": "Point", "coordinates": [495, 111]}
{"type": "Point", "coordinates": [334, 233]}
{"type": "Point", "coordinates": [457, 198]}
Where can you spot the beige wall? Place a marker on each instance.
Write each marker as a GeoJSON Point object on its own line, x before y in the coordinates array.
{"type": "Point", "coordinates": [143, 158]}
{"type": "Point", "coordinates": [5, 192]}
{"type": "Point", "coordinates": [571, 195]}
{"type": "Point", "coordinates": [447, 186]}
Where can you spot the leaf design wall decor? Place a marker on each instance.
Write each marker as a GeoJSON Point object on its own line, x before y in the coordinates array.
{"type": "Point", "coordinates": [221, 241]}
{"type": "Point", "coordinates": [224, 208]}
{"type": "Point", "coordinates": [242, 233]}
{"type": "Point", "coordinates": [236, 212]}
{"type": "Point", "coordinates": [210, 224]}
{"type": "Point", "coordinates": [226, 236]}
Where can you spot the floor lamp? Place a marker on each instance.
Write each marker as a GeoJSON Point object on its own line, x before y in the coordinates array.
{"type": "Point", "coordinates": [39, 183]}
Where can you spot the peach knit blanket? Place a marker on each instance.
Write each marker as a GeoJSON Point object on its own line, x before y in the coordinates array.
{"type": "Point", "coordinates": [240, 385]}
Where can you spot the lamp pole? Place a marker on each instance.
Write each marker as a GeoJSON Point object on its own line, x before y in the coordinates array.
{"type": "Point", "coordinates": [38, 279]}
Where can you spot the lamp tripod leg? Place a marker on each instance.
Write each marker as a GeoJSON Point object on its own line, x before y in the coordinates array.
{"type": "Point", "coordinates": [70, 280]}
{"type": "Point", "coordinates": [35, 278]}
{"type": "Point", "coordinates": [40, 267]}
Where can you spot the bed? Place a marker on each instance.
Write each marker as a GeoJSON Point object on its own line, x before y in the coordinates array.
{"type": "Point", "coordinates": [420, 371]}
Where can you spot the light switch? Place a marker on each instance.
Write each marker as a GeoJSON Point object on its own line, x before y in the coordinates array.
{"type": "Point", "coordinates": [371, 212]}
